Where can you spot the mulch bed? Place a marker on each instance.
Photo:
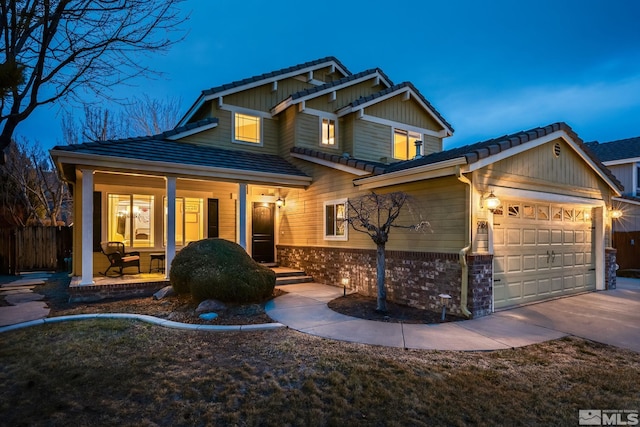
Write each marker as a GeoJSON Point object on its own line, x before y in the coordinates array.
{"type": "Point", "coordinates": [181, 308]}
{"type": "Point", "coordinates": [364, 307]}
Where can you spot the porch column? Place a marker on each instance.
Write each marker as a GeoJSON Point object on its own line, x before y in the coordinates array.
{"type": "Point", "coordinates": [242, 213]}
{"type": "Point", "coordinates": [170, 250]}
{"type": "Point", "coordinates": [87, 226]}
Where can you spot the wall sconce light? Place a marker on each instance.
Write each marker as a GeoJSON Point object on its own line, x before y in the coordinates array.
{"type": "Point", "coordinates": [615, 213]}
{"type": "Point", "coordinates": [444, 301]}
{"type": "Point", "coordinates": [491, 200]}
{"type": "Point", "coordinates": [280, 202]}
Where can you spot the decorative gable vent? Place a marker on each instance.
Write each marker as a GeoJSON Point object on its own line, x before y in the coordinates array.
{"type": "Point", "coordinates": [556, 149]}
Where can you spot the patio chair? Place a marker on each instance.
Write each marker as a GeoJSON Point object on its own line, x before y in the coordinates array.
{"type": "Point", "coordinates": [118, 258]}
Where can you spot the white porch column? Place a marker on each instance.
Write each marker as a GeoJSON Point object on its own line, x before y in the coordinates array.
{"type": "Point", "coordinates": [242, 214]}
{"type": "Point", "coordinates": [87, 226]}
{"type": "Point", "coordinates": [170, 250]}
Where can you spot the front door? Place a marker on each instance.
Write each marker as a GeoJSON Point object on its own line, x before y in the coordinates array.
{"type": "Point", "coordinates": [263, 232]}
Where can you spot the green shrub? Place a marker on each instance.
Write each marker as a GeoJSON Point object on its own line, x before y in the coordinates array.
{"type": "Point", "coordinates": [222, 270]}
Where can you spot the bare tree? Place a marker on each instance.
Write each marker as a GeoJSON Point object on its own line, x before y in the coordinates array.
{"type": "Point", "coordinates": [60, 49]}
{"type": "Point", "coordinates": [39, 195]}
{"type": "Point", "coordinates": [375, 215]}
{"type": "Point", "coordinates": [150, 116]}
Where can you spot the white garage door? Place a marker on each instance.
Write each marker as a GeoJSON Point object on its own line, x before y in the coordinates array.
{"type": "Point", "coordinates": [541, 251]}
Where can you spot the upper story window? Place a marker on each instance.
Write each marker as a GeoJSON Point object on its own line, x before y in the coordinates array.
{"type": "Point", "coordinates": [335, 224]}
{"type": "Point", "coordinates": [404, 144]}
{"type": "Point", "coordinates": [247, 128]}
{"type": "Point", "coordinates": [327, 132]}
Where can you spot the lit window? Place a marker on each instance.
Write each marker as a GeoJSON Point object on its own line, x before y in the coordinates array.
{"type": "Point", "coordinates": [130, 220]}
{"type": "Point", "coordinates": [404, 144]}
{"type": "Point", "coordinates": [328, 131]}
{"type": "Point", "coordinates": [189, 220]}
{"type": "Point", "coordinates": [335, 224]}
{"type": "Point", "coordinates": [247, 128]}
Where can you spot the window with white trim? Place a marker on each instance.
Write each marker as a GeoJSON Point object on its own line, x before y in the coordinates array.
{"type": "Point", "coordinates": [189, 220]}
{"type": "Point", "coordinates": [130, 220]}
{"type": "Point", "coordinates": [247, 128]}
{"type": "Point", "coordinates": [404, 144]}
{"type": "Point", "coordinates": [335, 224]}
{"type": "Point", "coordinates": [327, 132]}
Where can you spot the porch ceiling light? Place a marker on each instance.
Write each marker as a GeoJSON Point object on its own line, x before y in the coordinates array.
{"type": "Point", "coordinates": [492, 201]}
{"type": "Point", "coordinates": [280, 202]}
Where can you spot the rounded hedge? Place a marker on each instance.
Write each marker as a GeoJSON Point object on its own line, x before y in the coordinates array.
{"type": "Point", "coordinates": [222, 270]}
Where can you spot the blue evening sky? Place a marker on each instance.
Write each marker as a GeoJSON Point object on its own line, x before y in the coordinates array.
{"type": "Point", "coordinates": [489, 67]}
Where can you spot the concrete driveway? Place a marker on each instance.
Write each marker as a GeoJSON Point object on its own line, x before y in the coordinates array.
{"type": "Point", "coordinates": [610, 317]}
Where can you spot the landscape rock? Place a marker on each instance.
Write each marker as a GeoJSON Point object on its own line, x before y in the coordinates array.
{"type": "Point", "coordinates": [210, 305]}
{"type": "Point", "coordinates": [208, 316]}
{"type": "Point", "coordinates": [167, 291]}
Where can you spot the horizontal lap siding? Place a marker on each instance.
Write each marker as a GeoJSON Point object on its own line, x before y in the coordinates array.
{"type": "Point", "coordinates": [441, 202]}
{"type": "Point", "coordinates": [371, 141]}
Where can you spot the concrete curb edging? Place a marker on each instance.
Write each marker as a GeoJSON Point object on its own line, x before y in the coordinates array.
{"type": "Point", "coordinates": [148, 319]}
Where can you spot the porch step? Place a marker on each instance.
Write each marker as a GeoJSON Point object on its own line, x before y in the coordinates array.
{"type": "Point", "coordinates": [289, 276]}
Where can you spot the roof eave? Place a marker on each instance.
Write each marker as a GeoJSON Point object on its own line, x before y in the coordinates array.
{"type": "Point", "coordinates": [123, 164]}
{"type": "Point", "coordinates": [419, 173]}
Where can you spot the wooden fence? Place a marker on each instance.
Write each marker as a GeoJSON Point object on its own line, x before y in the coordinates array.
{"type": "Point", "coordinates": [628, 245]}
{"type": "Point", "coordinates": [34, 248]}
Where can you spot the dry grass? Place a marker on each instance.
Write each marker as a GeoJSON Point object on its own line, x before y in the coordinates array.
{"type": "Point", "coordinates": [108, 372]}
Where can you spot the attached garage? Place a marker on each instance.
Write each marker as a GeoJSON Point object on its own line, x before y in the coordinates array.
{"type": "Point", "coordinates": [541, 251]}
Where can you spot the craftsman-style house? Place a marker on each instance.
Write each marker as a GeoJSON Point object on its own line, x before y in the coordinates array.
{"type": "Point", "coordinates": [270, 161]}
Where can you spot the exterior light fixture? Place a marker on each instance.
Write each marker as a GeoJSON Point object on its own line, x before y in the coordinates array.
{"type": "Point", "coordinates": [280, 202]}
{"type": "Point", "coordinates": [615, 213]}
{"type": "Point", "coordinates": [345, 283]}
{"type": "Point", "coordinates": [492, 201]}
{"type": "Point", "coordinates": [444, 301]}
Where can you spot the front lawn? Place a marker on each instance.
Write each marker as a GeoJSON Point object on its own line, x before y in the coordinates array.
{"type": "Point", "coordinates": [118, 372]}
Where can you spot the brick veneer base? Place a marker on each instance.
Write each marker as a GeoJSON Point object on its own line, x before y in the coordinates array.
{"type": "Point", "coordinates": [610, 268]}
{"type": "Point", "coordinates": [89, 293]}
{"type": "Point", "coordinates": [413, 278]}
{"type": "Point", "coordinates": [480, 295]}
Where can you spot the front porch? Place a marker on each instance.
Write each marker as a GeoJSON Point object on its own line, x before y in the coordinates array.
{"type": "Point", "coordinates": [146, 284]}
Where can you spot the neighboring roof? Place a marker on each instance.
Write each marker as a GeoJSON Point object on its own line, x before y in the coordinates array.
{"type": "Point", "coordinates": [399, 88]}
{"type": "Point", "coordinates": [152, 149]}
{"type": "Point", "coordinates": [621, 149]}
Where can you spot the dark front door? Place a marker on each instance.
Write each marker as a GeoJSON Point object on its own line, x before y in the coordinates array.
{"type": "Point", "coordinates": [212, 218]}
{"type": "Point", "coordinates": [262, 232]}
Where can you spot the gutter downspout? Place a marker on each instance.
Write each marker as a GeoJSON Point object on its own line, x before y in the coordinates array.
{"type": "Point", "coordinates": [463, 252]}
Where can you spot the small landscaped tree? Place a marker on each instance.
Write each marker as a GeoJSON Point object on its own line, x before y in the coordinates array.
{"type": "Point", "coordinates": [376, 214]}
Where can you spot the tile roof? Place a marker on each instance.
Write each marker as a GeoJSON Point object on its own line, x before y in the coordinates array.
{"type": "Point", "coordinates": [264, 76]}
{"type": "Point", "coordinates": [181, 153]}
{"type": "Point", "coordinates": [616, 150]}
{"type": "Point", "coordinates": [341, 81]}
{"type": "Point", "coordinates": [188, 127]}
{"type": "Point", "coordinates": [365, 99]}
{"type": "Point", "coordinates": [364, 165]}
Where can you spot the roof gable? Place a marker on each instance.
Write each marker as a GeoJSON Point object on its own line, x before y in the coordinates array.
{"type": "Point", "coordinates": [262, 79]}
{"type": "Point", "coordinates": [335, 85]}
{"type": "Point", "coordinates": [406, 89]}
{"type": "Point", "coordinates": [481, 154]}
